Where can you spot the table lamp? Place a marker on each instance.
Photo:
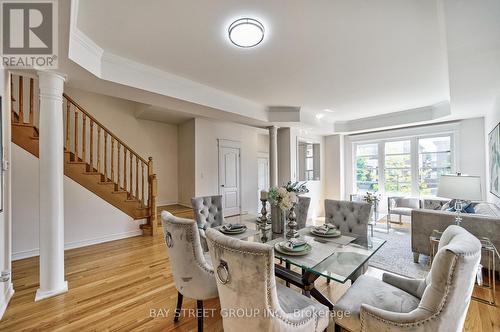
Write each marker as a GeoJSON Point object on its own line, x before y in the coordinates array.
{"type": "Point", "coordinates": [461, 188]}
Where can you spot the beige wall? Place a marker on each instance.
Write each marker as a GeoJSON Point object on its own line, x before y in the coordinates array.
{"type": "Point", "coordinates": [186, 162]}
{"type": "Point", "coordinates": [207, 158]}
{"type": "Point", "coordinates": [147, 138]}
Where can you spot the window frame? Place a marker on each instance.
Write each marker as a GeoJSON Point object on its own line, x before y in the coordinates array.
{"type": "Point", "coordinates": [414, 157]}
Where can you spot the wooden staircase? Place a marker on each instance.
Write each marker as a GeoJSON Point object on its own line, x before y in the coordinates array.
{"type": "Point", "coordinates": [94, 157]}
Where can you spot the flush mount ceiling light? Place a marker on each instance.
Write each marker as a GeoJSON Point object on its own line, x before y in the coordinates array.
{"type": "Point", "coordinates": [246, 32]}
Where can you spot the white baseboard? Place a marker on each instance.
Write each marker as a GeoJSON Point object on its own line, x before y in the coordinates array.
{"type": "Point", "coordinates": [166, 203]}
{"type": "Point", "coordinates": [78, 244]}
{"type": "Point", "coordinates": [4, 300]}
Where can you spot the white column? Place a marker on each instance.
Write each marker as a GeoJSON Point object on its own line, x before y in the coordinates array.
{"type": "Point", "coordinates": [51, 186]}
{"type": "Point", "coordinates": [273, 156]}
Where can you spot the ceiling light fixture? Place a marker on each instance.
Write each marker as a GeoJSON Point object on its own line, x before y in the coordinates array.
{"type": "Point", "coordinates": [320, 116]}
{"type": "Point", "coordinates": [328, 110]}
{"type": "Point", "coordinates": [246, 32]}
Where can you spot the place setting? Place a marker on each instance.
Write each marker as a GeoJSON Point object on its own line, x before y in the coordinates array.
{"type": "Point", "coordinates": [326, 231]}
{"type": "Point", "coordinates": [232, 229]}
{"type": "Point", "coordinates": [293, 247]}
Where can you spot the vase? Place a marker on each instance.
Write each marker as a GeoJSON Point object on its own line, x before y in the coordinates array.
{"type": "Point", "coordinates": [277, 223]}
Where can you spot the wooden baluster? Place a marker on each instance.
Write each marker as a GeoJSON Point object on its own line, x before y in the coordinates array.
{"type": "Point", "coordinates": [142, 183]}
{"type": "Point", "coordinates": [105, 156]}
{"type": "Point", "coordinates": [21, 97]}
{"type": "Point", "coordinates": [112, 159]}
{"type": "Point", "coordinates": [124, 169]}
{"type": "Point", "coordinates": [31, 102]}
{"type": "Point", "coordinates": [136, 177]}
{"type": "Point", "coordinates": [91, 157]}
{"type": "Point", "coordinates": [131, 183]}
{"type": "Point", "coordinates": [84, 137]}
{"type": "Point", "coordinates": [150, 172]}
{"type": "Point", "coordinates": [12, 99]}
{"type": "Point", "coordinates": [99, 149]}
{"type": "Point", "coordinates": [118, 161]}
{"type": "Point", "coordinates": [68, 122]}
{"type": "Point", "coordinates": [76, 135]}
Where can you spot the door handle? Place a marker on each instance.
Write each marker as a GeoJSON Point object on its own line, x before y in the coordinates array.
{"type": "Point", "coordinates": [222, 185]}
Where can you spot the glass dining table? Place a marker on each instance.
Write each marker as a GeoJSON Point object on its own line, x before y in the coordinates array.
{"type": "Point", "coordinates": [339, 259]}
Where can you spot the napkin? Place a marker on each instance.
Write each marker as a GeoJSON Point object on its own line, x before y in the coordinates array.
{"type": "Point", "coordinates": [233, 227]}
{"type": "Point", "coordinates": [325, 229]}
{"type": "Point", "coordinates": [294, 244]}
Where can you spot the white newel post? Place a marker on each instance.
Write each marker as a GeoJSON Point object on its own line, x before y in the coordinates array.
{"type": "Point", "coordinates": [51, 186]}
{"type": "Point", "coordinates": [273, 156]}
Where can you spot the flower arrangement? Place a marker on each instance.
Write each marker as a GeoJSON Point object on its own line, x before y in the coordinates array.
{"type": "Point", "coordinates": [371, 198]}
{"type": "Point", "coordinates": [285, 197]}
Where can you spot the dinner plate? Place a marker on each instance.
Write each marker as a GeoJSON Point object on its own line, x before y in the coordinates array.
{"type": "Point", "coordinates": [307, 249]}
{"type": "Point", "coordinates": [335, 234]}
{"type": "Point", "coordinates": [233, 232]}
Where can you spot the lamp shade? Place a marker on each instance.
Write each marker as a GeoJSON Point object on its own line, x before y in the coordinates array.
{"type": "Point", "coordinates": [463, 187]}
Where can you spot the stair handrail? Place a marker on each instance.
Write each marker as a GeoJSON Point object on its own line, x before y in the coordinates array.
{"type": "Point", "coordinates": [138, 176]}
{"type": "Point", "coordinates": [109, 132]}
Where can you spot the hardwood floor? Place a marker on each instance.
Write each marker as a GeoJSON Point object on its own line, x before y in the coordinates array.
{"type": "Point", "coordinates": [115, 286]}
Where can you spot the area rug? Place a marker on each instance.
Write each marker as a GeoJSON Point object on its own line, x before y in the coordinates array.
{"type": "Point", "coordinates": [396, 256]}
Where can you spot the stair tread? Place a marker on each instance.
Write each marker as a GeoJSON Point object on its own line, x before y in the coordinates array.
{"type": "Point", "coordinates": [106, 182]}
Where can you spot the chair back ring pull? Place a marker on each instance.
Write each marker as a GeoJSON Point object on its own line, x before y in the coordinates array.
{"type": "Point", "coordinates": [168, 240]}
{"type": "Point", "coordinates": [223, 273]}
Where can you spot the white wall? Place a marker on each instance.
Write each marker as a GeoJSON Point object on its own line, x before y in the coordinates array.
{"type": "Point", "coordinates": [334, 167]}
{"type": "Point", "coordinates": [263, 143]}
{"type": "Point", "coordinates": [207, 158]}
{"type": "Point", "coordinates": [186, 162]}
{"type": "Point", "coordinates": [472, 150]}
{"type": "Point", "coordinates": [490, 121]}
{"type": "Point", "coordinates": [6, 288]}
{"type": "Point", "coordinates": [87, 218]}
{"type": "Point", "coordinates": [147, 138]}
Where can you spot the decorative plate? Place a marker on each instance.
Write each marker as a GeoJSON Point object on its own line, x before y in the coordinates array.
{"type": "Point", "coordinates": [307, 249]}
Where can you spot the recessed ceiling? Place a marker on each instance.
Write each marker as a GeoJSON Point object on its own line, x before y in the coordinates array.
{"type": "Point", "coordinates": [359, 58]}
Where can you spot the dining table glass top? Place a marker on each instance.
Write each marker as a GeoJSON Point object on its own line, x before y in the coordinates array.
{"type": "Point", "coordinates": [337, 258]}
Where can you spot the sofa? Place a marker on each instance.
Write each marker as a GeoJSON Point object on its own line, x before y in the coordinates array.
{"type": "Point", "coordinates": [484, 223]}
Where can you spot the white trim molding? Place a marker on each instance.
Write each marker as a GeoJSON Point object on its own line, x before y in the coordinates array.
{"type": "Point", "coordinates": [79, 244]}
{"type": "Point", "coordinates": [5, 299]}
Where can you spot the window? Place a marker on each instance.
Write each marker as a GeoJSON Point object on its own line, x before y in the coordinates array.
{"type": "Point", "coordinates": [405, 166]}
{"type": "Point", "coordinates": [397, 167]}
{"type": "Point", "coordinates": [434, 159]}
{"type": "Point", "coordinates": [308, 161]}
{"type": "Point", "coordinates": [367, 168]}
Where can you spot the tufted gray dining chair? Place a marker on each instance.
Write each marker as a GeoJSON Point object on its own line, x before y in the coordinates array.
{"type": "Point", "coordinates": [245, 278]}
{"type": "Point", "coordinates": [208, 213]}
{"type": "Point", "coordinates": [301, 210]}
{"type": "Point", "coordinates": [437, 303]}
{"type": "Point", "coordinates": [350, 217]}
{"type": "Point", "coordinates": [191, 268]}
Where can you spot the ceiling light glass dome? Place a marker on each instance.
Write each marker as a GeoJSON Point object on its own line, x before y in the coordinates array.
{"type": "Point", "coordinates": [246, 32]}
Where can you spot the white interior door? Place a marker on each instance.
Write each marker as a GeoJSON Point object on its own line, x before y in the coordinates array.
{"type": "Point", "coordinates": [229, 177]}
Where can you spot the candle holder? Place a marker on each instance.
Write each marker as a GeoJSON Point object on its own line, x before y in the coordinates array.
{"type": "Point", "coordinates": [263, 212]}
{"type": "Point", "coordinates": [292, 224]}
